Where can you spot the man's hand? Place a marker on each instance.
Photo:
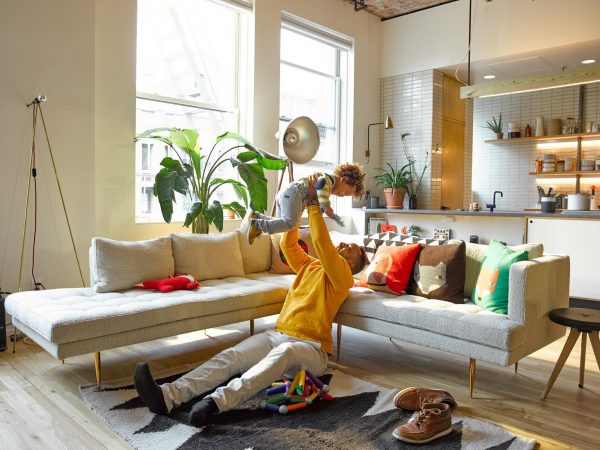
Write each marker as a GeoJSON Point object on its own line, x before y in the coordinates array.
{"type": "Point", "coordinates": [311, 190]}
{"type": "Point", "coordinates": [329, 211]}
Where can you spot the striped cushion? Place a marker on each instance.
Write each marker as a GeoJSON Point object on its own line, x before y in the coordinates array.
{"type": "Point", "coordinates": [373, 241]}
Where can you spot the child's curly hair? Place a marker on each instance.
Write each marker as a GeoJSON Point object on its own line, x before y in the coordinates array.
{"type": "Point", "coordinates": [354, 176]}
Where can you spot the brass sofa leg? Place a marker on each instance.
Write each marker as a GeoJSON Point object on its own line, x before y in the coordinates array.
{"type": "Point", "coordinates": [339, 340]}
{"type": "Point", "coordinates": [98, 366]}
{"type": "Point", "coordinates": [251, 327]}
{"type": "Point", "coordinates": [516, 366]}
{"type": "Point", "coordinates": [472, 366]}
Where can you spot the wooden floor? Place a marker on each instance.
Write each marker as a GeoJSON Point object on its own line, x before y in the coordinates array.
{"type": "Point", "coordinates": [40, 404]}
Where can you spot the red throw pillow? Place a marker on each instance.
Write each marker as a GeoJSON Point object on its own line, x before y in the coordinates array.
{"type": "Point", "coordinates": [390, 269]}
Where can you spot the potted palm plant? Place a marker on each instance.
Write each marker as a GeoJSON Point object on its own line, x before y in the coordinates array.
{"type": "Point", "coordinates": [495, 126]}
{"type": "Point", "coordinates": [193, 174]}
{"type": "Point", "coordinates": [393, 182]}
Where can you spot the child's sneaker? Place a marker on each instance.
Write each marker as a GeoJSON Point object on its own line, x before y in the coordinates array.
{"type": "Point", "coordinates": [248, 228]}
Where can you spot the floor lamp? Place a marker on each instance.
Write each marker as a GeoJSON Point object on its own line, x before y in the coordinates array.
{"type": "Point", "coordinates": [300, 143]}
{"type": "Point", "coordinates": [36, 105]}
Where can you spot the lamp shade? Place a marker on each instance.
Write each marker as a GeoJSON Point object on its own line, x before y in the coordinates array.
{"type": "Point", "coordinates": [301, 140]}
{"type": "Point", "coordinates": [388, 123]}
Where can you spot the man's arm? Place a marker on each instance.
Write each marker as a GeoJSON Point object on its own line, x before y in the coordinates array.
{"type": "Point", "coordinates": [294, 255]}
{"type": "Point", "coordinates": [335, 266]}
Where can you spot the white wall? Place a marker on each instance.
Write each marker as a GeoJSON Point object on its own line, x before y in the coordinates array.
{"type": "Point", "coordinates": [438, 37]}
{"type": "Point", "coordinates": [47, 48]}
{"type": "Point", "coordinates": [81, 54]}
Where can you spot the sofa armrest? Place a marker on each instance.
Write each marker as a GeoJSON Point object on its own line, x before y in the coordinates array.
{"type": "Point", "coordinates": [538, 286]}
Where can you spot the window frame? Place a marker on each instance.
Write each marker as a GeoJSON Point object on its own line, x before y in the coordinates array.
{"type": "Point", "coordinates": [240, 96]}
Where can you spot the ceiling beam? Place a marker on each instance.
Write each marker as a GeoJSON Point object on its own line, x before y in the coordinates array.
{"type": "Point", "coordinates": [532, 83]}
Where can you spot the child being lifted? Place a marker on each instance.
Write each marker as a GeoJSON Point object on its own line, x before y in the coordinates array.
{"type": "Point", "coordinates": [347, 180]}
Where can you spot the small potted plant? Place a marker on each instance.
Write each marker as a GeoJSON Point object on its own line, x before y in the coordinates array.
{"type": "Point", "coordinates": [393, 182]}
{"type": "Point", "coordinates": [495, 126]}
{"type": "Point", "coordinates": [414, 178]}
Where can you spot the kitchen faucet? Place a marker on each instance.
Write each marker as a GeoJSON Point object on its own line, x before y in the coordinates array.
{"type": "Point", "coordinates": [491, 206]}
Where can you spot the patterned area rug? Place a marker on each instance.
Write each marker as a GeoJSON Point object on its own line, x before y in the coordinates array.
{"type": "Point", "coordinates": [362, 416]}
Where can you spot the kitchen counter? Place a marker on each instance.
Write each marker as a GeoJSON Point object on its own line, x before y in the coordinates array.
{"type": "Point", "coordinates": [485, 213]}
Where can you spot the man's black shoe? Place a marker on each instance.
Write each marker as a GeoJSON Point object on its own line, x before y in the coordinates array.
{"type": "Point", "coordinates": [150, 392]}
{"type": "Point", "coordinates": [201, 412]}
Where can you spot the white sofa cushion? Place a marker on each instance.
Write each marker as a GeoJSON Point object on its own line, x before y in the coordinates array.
{"type": "Point", "coordinates": [118, 265]}
{"type": "Point", "coordinates": [464, 321]}
{"type": "Point", "coordinates": [208, 256]}
{"type": "Point", "coordinates": [255, 257]}
{"type": "Point", "coordinates": [67, 315]}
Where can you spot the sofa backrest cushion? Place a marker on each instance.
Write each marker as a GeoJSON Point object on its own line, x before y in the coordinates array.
{"type": "Point", "coordinates": [256, 257]}
{"type": "Point", "coordinates": [440, 273]}
{"type": "Point", "coordinates": [491, 290]}
{"type": "Point", "coordinates": [390, 269]}
{"type": "Point", "coordinates": [208, 256]}
{"type": "Point", "coordinates": [278, 262]}
{"type": "Point", "coordinates": [118, 265]}
{"type": "Point", "coordinates": [372, 242]}
{"type": "Point", "coordinates": [475, 254]}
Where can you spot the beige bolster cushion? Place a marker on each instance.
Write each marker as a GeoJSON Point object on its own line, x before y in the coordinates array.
{"type": "Point", "coordinates": [208, 256]}
{"type": "Point", "coordinates": [118, 265]}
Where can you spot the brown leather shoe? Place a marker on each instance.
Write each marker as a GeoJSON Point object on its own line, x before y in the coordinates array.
{"type": "Point", "coordinates": [413, 397]}
{"type": "Point", "coordinates": [431, 422]}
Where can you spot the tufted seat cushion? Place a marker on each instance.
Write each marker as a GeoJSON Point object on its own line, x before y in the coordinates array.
{"type": "Point", "coordinates": [463, 321]}
{"type": "Point", "coordinates": [67, 315]}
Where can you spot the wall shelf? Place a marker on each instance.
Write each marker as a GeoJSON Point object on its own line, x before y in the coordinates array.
{"type": "Point", "coordinates": [571, 174]}
{"type": "Point", "coordinates": [555, 138]}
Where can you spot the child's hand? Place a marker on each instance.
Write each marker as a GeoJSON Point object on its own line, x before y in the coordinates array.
{"type": "Point", "coordinates": [329, 211]}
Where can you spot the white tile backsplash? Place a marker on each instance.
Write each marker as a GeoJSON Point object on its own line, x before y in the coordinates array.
{"type": "Point", "coordinates": [506, 167]}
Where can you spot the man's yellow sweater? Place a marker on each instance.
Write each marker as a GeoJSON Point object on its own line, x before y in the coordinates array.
{"type": "Point", "coordinates": [320, 287]}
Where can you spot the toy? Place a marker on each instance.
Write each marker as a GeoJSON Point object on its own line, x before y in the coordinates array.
{"type": "Point", "coordinates": [172, 283]}
{"type": "Point", "coordinates": [301, 392]}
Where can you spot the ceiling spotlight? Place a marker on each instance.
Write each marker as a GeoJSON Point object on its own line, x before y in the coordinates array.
{"type": "Point", "coordinates": [489, 77]}
{"type": "Point", "coordinates": [588, 61]}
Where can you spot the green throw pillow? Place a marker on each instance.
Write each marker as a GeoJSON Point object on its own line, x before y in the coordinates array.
{"type": "Point", "coordinates": [491, 290]}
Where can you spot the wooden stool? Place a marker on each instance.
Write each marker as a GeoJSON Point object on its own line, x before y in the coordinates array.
{"type": "Point", "coordinates": [580, 320]}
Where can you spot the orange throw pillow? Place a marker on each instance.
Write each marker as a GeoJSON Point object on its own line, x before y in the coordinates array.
{"type": "Point", "coordinates": [390, 269]}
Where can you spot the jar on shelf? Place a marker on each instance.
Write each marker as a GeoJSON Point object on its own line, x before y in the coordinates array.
{"type": "Point", "coordinates": [560, 165]}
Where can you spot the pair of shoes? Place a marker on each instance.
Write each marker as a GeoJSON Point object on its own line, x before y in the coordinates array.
{"type": "Point", "coordinates": [432, 422]}
{"type": "Point", "coordinates": [413, 397]}
{"type": "Point", "coordinates": [202, 411]}
{"type": "Point", "coordinates": [248, 228]}
{"type": "Point", "coordinates": [150, 392]}
{"type": "Point", "coordinates": [433, 419]}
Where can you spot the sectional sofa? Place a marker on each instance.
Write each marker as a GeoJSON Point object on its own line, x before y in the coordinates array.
{"type": "Point", "coordinates": [236, 285]}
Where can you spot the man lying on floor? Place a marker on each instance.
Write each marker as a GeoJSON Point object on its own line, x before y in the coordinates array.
{"type": "Point", "coordinates": [302, 334]}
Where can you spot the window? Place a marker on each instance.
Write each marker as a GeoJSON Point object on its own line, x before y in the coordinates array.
{"type": "Point", "coordinates": [314, 83]}
{"type": "Point", "coordinates": [190, 59]}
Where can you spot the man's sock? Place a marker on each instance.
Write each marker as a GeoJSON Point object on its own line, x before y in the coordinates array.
{"type": "Point", "coordinates": [150, 392]}
{"type": "Point", "coordinates": [201, 412]}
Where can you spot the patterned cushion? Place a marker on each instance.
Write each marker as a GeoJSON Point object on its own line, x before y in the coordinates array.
{"type": "Point", "coordinates": [390, 269]}
{"type": "Point", "coordinates": [278, 263]}
{"type": "Point", "coordinates": [373, 241]}
{"type": "Point", "coordinates": [440, 273]}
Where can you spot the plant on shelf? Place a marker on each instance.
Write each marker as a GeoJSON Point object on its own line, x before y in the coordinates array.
{"type": "Point", "coordinates": [414, 230]}
{"type": "Point", "coordinates": [495, 126]}
{"type": "Point", "coordinates": [393, 182]}
{"type": "Point", "coordinates": [415, 178]}
{"type": "Point", "coordinates": [193, 174]}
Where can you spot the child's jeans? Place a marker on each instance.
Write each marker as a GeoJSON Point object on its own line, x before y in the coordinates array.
{"type": "Point", "coordinates": [290, 202]}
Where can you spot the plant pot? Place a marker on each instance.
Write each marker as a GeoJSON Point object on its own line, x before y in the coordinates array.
{"type": "Point", "coordinates": [229, 213]}
{"type": "Point", "coordinates": [412, 202]}
{"type": "Point", "coordinates": [200, 225]}
{"type": "Point", "coordinates": [499, 135]}
{"type": "Point", "coordinates": [396, 199]}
